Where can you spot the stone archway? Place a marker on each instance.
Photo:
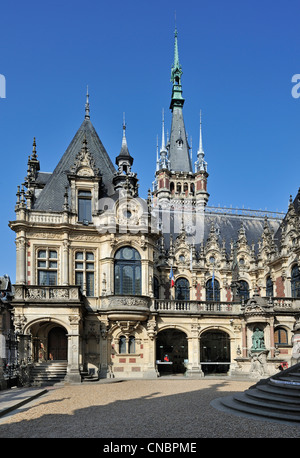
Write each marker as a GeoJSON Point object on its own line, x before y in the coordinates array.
{"type": "Point", "coordinates": [57, 344]}
{"type": "Point", "coordinates": [171, 351]}
{"type": "Point", "coordinates": [49, 341]}
{"type": "Point", "coordinates": [215, 351]}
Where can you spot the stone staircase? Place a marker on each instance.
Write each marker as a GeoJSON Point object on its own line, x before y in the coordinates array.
{"type": "Point", "coordinates": [48, 373]}
{"type": "Point", "coordinates": [276, 398]}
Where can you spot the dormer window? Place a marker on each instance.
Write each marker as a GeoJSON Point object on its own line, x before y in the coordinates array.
{"type": "Point", "coordinates": [84, 206]}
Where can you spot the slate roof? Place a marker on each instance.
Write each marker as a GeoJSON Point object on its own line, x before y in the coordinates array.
{"type": "Point", "coordinates": [180, 159]}
{"type": "Point", "coordinates": [227, 228]}
{"type": "Point", "coordinates": [51, 198]}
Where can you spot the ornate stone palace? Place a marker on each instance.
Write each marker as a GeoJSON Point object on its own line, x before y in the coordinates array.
{"type": "Point", "coordinates": [119, 286]}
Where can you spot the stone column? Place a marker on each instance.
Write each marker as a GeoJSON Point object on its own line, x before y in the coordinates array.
{"type": "Point", "coordinates": [244, 340]}
{"type": "Point", "coordinates": [194, 366]}
{"type": "Point", "coordinates": [151, 332]}
{"type": "Point", "coordinates": [21, 259]}
{"type": "Point", "coordinates": [272, 344]}
{"type": "Point", "coordinates": [65, 261]}
{"type": "Point", "coordinates": [73, 372]}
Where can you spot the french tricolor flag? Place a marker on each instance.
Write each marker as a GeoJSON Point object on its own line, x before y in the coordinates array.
{"type": "Point", "coordinates": [172, 278]}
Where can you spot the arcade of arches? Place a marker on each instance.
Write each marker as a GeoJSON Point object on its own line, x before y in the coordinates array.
{"type": "Point", "coordinates": [172, 351]}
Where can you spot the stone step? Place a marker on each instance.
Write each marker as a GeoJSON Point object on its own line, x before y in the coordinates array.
{"type": "Point", "coordinates": [49, 372]}
{"type": "Point", "coordinates": [278, 391]}
{"type": "Point", "coordinates": [276, 398]}
{"type": "Point", "coordinates": [273, 397]}
{"type": "Point", "coordinates": [232, 403]}
{"type": "Point", "coordinates": [266, 403]}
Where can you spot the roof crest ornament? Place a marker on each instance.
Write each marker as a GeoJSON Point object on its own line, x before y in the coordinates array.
{"type": "Point", "coordinates": [87, 104]}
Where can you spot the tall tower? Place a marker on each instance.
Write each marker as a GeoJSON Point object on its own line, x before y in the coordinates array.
{"type": "Point", "coordinates": [175, 181]}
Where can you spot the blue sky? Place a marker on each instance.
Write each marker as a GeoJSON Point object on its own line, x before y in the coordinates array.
{"type": "Point", "coordinates": [238, 60]}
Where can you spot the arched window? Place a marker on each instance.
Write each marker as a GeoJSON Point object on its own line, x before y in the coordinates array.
{"type": "Point", "coordinates": [131, 345]}
{"type": "Point", "coordinates": [155, 288]}
{"type": "Point", "coordinates": [212, 290]}
{"type": "Point", "coordinates": [128, 272]}
{"type": "Point", "coordinates": [269, 287]}
{"type": "Point", "coordinates": [182, 289]}
{"type": "Point", "coordinates": [243, 290]}
{"type": "Point", "coordinates": [295, 281]}
{"type": "Point", "coordinates": [280, 337]}
{"type": "Point", "coordinates": [122, 344]}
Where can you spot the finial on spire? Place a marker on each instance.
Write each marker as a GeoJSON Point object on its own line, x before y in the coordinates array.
{"type": "Point", "coordinates": [124, 141]}
{"type": "Point", "coordinates": [34, 155]}
{"type": "Point", "coordinates": [87, 104]}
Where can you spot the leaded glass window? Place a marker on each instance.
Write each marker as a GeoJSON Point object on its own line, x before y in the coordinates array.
{"type": "Point", "coordinates": [243, 290]}
{"type": "Point", "coordinates": [295, 281]}
{"type": "Point", "coordinates": [212, 290]}
{"type": "Point", "coordinates": [85, 272]}
{"type": "Point", "coordinates": [182, 289]}
{"type": "Point", "coordinates": [84, 206]}
{"type": "Point", "coordinates": [128, 272]}
{"type": "Point", "coordinates": [47, 267]}
{"type": "Point", "coordinates": [269, 287]}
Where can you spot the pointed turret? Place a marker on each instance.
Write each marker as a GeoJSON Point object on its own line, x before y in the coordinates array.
{"type": "Point", "coordinates": [201, 172]}
{"type": "Point", "coordinates": [124, 161]}
{"type": "Point", "coordinates": [124, 178]}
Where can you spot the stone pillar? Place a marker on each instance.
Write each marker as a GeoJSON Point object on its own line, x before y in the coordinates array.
{"type": "Point", "coordinates": [194, 366]}
{"type": "Point", "coordinates": [151, 331]}
{"type": "Point", "coordinates": [21, 259]}
{"type": "Point", "coordinates": [73, 372]}
{"type": "Point", "coordinates": [65, 261]}
{"type": "Point", "coordinates": [244, 339]}
{"type": "Point", "coordinates": [272, 344]}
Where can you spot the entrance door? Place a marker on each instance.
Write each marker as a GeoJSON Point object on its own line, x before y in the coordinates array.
{"type": "Point", "coordinates": [215, 351]}
{"type": "Point", "coordinates": [171, 351]}
{"type": "Point", "coordinates": [57, 344]}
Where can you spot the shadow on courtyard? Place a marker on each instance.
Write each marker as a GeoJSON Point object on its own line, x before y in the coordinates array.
{"type": "Point", "coordinates": [183, 415]}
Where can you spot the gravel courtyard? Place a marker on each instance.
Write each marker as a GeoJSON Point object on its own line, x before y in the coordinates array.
{"type": "Point", "coordinates": [162, 408]}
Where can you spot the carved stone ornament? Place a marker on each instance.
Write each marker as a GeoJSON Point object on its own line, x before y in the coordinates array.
{"type": "Point", "coordinates": [74, 320]}
{"type": "Point", "coordinates": [257, 305]}
{"type": "Point", "coordinates": [84, 163]}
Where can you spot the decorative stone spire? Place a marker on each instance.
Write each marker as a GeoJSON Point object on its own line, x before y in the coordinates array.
{"type": "Point", "coordinates": [87, 104]}
{"type": "Point", "coordinates": [163, 162]}
{"type": "Point", "coordinates": [200, 164]}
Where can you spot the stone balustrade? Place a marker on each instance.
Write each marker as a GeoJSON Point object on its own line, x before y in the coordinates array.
{"type": "Point", "coordinates": [162, 305]}
{"type": "Point", "coordinates": [47, 293]}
